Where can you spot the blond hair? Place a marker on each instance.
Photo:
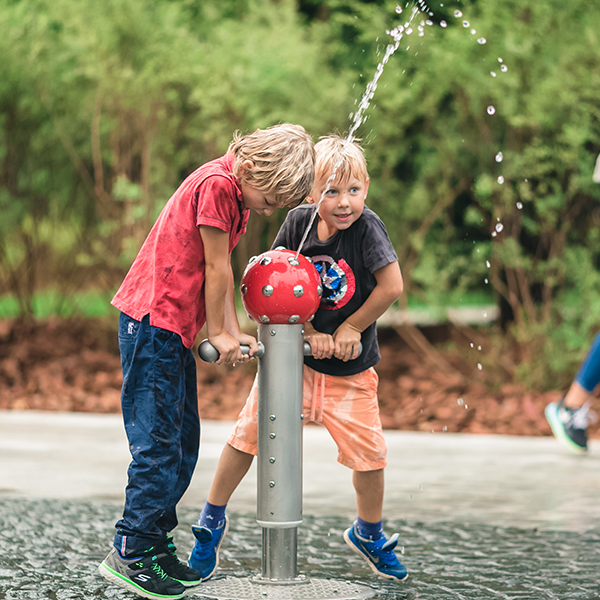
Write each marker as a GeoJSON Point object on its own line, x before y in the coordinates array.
{"type": "Point", "coordinates": [283, 159]}
{"type": "Point", "coordinates": [345, 156]}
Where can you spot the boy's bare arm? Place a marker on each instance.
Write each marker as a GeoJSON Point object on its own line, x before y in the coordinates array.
{"type": "Point", "coordinates": [232, 325]}
{"type": "Point", "coordinates": [218, 279]}
{"type": "Point", "coordinates": [388, 289]}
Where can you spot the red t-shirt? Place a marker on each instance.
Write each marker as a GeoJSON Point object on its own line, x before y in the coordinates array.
{"type": "Point", "coordinates": [166, 279]}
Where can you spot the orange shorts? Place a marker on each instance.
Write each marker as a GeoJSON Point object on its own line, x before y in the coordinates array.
{"type": "Point", "coordinates": [346, 406]}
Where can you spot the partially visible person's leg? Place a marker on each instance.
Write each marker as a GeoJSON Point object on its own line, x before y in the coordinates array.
{"type": "Point", "coordinates": [577, 396]}
{"type": "Point", "coordinates": [143, 559]}
{"type": "Point", "coordinates": [569, 418]}
{"type": "Point", "coordinates": [369, 487]}
{"type": "Point", "coordinates": [587, 378]}
{"type": "Point", "coordinates": [231, 469]}
{"type": "Point", "coordinates": [348, 407]}
{"type": "Point", "coordinates": [233, 465]}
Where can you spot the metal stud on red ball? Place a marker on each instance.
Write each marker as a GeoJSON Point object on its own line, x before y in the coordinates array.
{"type": "Point", "coordinates": [278, 287]}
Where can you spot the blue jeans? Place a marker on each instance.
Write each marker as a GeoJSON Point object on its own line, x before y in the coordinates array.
{"type": "Point", "coordinates": [159, 400]}
{"type": "Point", "coordinates": [588, 375]}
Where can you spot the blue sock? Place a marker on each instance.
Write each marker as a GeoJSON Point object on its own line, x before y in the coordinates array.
{"type": "Point", "coordinates": [212, 516]}
{"type": "Point", "coordinates": [370, 531]}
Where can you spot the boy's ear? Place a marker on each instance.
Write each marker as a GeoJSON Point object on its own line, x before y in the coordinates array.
{"type": "Point", "coordinates": [246, 165]}
{"type": "Point", "coordinates": [310, 200]}
{"type": "Point", "coordinates": [366, 187]}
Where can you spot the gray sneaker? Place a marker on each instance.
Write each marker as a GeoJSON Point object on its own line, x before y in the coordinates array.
{"type": "Point", "coordinates": [569, 425]}
{"type": "Point", "coordinates": [141, 575]}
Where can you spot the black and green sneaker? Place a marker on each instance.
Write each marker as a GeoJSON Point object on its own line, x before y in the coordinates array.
{"type": "Point", "coordinates": [167, 558]}
{"type": "Point", "coordinates": [141, 575]}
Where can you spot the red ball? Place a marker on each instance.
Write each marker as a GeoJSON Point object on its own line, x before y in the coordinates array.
{"type": "Point", "coordinates": [278, 288]}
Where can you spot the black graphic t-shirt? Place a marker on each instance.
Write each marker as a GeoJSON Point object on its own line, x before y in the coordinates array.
{"type": "Point", "coordinates": [346, 262]}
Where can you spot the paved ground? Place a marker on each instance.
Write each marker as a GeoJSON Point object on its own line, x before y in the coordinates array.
{"type": "Point", "coordinates": [493, 480]}
{"type": "Point", "coordinates": [479, 517]}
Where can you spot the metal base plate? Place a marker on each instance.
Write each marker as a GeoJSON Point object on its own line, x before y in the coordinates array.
{"type": "Point", "coordinates": [232, 588]}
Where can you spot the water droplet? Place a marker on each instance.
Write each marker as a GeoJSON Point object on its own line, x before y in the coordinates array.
{"type": "Point", "coordinates": [479, 348]}
{"type": "Point", "coordinates": [494, 234]}
{"type": "Point", "coordinates": [486, 280]}
{"type": "Point", "coordinates": [466, 24]}
{"type": "Point", "coordinates": [500, 60]}
{"type": "Point", "coordinates": [399, 9]}
{"type": "Point", "coordinates": [457, 14]}
{"type": "Point", "coordinates": [460, 401]}
{"type": "Point", "coordinates": [500, 179]}
{"type": "Point", "coordinates": [466, 406]}
{"type": "Point", "coordinates": [504, 68]}
{"type": "Point", "coordinates": [444, 428]}
{"type": "Point", "coordinates": [499, 157]}
{"type": "Point", "coordinates": [479, 366]}
{"type": "Point", "coordinates": [443, 24]}
{"type": "Point", "coordinates": [491, 110]}
{"type": "Point", "coordinates": [472, 345]}
{"type": "Point", "coordinates": [408, 31]}
{"type": "Point", "coordinates": [481, 41]}
{"type": "Point", "coordinates": [519, 205]}
{"type": "Point", "coordinates": [487, 264]}
{"type": "Point", "coordinates": [429, 22]}
{"type": "Point", "coordinates": [526, 180]}
{"type": "Point", "coordinates": [473, 31]}
{"type": "Point", "coordinates": [484, 313]}
{"type": "Point", "coordinates": [492, 74]}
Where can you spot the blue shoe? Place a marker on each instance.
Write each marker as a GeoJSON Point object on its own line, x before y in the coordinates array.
{"type": "Point", "coordinates": [379, 554]}
{"type": "Point", "coordinates": [569, 425]}
{"type": "Point", "coordinates": [204, 558]}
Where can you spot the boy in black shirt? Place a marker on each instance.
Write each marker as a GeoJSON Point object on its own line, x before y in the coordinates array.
{"type": "Point", "coordinates": [361, 279]}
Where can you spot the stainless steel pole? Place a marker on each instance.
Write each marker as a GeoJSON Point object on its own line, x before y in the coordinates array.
{"type": "Point", "coordinates": [279, 501]}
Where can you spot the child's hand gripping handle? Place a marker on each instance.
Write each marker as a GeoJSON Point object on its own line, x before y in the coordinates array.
{"type": "Point", "coordinates": [208, 353]}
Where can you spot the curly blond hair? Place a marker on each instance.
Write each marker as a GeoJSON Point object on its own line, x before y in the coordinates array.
{"type": "Point", "coordinates": [345, 156]}
{"type": "Point", "coordinates": [283, 162]}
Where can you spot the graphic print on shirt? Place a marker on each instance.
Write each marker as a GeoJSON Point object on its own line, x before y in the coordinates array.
{"type": "Point", "coordinates": [337, 279]}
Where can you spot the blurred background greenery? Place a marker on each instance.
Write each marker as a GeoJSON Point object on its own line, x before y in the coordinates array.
{"type": "Point", "coordinates": [105, 107]}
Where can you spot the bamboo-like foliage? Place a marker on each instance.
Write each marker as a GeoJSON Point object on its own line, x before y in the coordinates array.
{"type": "Point", "coordinates": [106, 106]}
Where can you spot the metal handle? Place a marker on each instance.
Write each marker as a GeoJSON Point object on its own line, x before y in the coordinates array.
{"type": "Point", "coordinates": [208, 353]}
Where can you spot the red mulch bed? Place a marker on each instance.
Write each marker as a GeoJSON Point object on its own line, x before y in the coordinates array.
{"type": "Point", "coordinates": [73, 365]}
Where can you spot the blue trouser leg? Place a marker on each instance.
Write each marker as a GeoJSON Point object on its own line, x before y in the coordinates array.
{"type": "Point", "coordinates": [160, 412]}
{"type": "Point", "coordinates": [588, 375]}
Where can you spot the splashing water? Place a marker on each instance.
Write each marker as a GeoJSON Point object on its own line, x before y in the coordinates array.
{"type": "Point", "coordinates": [397, 34]}
{"type": "Point", "coordinates": [491, 110]}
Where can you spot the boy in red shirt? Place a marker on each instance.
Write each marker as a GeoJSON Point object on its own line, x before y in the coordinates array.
{"type": "Point", "coordinates": [180, 280]}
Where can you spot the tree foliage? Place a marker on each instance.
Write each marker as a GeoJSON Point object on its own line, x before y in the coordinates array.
{"type": "Point", "coordinates": [481, 139]}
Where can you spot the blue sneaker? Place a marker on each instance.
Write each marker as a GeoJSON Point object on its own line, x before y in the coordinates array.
{"type": "Point", "coordinates": [569, 425]}
{"type": "Point", "coordinates": [204, 558]}
{"type": "Point", "coordinates": [379, 554]}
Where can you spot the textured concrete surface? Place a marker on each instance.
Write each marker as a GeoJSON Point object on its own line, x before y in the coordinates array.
{"type": "Point", "coordinates": [495, 480]}
{"type": "Point", "coordinates": [479, 517]}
